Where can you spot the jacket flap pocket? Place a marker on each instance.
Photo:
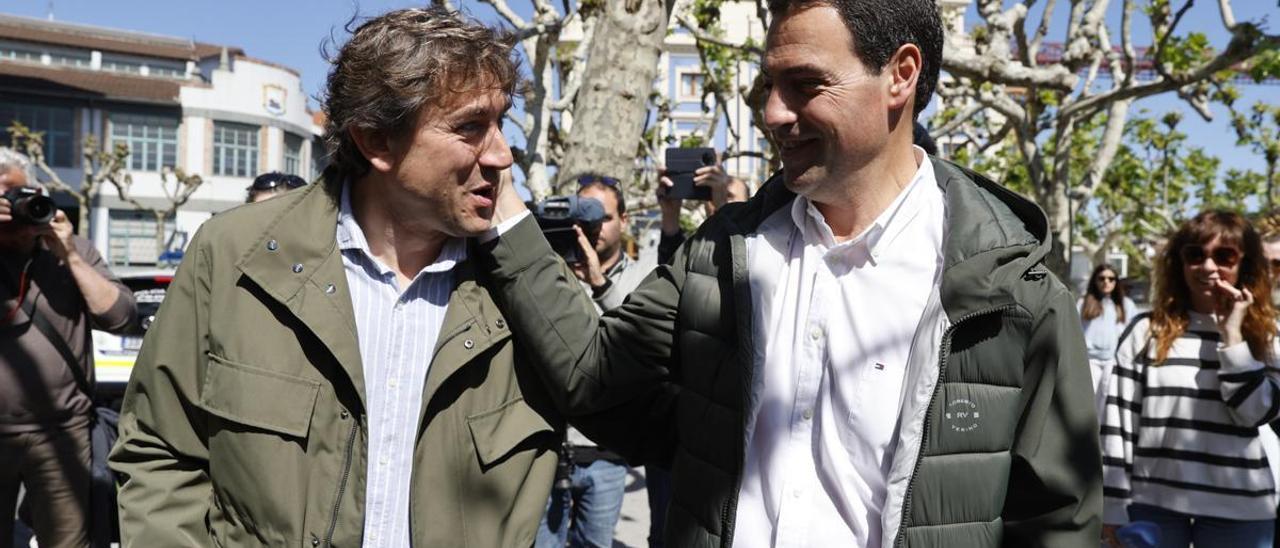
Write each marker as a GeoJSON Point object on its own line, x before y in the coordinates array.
{"type": "Point", "coordinates": [496, 433]}
{"type": "Point", "coordinates": [259, 398]}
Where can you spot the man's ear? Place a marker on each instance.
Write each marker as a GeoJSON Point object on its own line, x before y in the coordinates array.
{"type": "Point", "coordinates": [376, 148]}
{"type": "Point", "coordinates": [903, 69]}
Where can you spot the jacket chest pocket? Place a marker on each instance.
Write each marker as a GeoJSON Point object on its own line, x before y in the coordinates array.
{"type": "Point", "coordinates": [258, 398]}
{"type": "Point", "coordinates": [500, 433]}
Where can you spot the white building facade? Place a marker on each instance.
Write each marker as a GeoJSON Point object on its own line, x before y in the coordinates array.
{"type": "Point", "coordinates": [205, 109]}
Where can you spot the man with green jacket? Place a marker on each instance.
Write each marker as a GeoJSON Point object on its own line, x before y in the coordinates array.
{"type": "Point", "coordinates": [327, 368]}
{"type": "Point", "coordinates": [869, 352]}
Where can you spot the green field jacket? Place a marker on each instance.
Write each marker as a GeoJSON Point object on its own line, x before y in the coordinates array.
{"type": "Point", "coordinates": [998, 438]}
{"type": "Point", "coordinates": [245, 425]}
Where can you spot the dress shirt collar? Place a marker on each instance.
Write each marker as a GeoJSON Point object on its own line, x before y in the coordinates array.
{"type": "Point", "coordinates": [351, 238]}
{"type": "Point", "coordinates": [891, 222]}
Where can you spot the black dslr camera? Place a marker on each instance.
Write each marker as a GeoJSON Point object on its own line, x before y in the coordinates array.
{"type": "Point", "coordinates": [30, 206]}
{"type": "Point", "coordinates": [558, 215]}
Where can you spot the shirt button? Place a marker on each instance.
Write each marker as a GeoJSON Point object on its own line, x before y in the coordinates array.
{"type": "Point", "coordinates": [796, 493]}
{"type": "Point", "coordinates": [393, 383]}
{"type": "Point", "coordinates": [815, 333]}
{"type": "Point", "coordinates": [383, 461]}
{"type": "Point", "coordinates": [808, 414]}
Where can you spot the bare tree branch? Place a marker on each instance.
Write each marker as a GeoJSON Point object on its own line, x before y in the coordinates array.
{"type": "Point", "coordinates": [702, 36]}
{"type": "Point", "coordinates": [1042, 29]}
{"type": "Point", "coordinates": [1228, 16]}
{"type": "Point", "coordinates": [1126, 44]}
{"type": "Point", "coordinates": [507, 13]}
{"type": "Point", "coordinates": [955, 123]}
{"type": "Point", "coordinates": [1165, 33]}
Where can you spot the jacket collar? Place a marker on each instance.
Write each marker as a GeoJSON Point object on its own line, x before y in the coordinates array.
{"type": "Point", "coordinates": [295, 261]}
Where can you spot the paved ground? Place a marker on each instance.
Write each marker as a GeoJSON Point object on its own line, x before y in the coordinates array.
{"type": "Point", "coordinates": [633, 526]}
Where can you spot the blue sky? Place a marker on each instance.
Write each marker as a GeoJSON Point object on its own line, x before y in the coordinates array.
{"type": "Point", "coordinates": [291, 32]}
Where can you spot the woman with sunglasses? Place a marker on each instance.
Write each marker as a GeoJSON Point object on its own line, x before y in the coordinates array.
{"type": "Point", "coordinates": [1192, 384]}
{"type": "Point", "coordinates": [1104, 311]}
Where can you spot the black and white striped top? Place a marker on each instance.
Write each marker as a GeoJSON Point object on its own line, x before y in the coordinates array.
{"type": "Point", "coordinates": [1183, 435]}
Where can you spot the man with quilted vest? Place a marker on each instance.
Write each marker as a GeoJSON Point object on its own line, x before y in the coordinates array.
{"type": "Point", "coordinates": [869, 352]}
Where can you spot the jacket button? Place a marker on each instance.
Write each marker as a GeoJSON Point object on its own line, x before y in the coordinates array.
{"type": "Point", "coordinates": [501, 323]}
{"type": "Point", "coordinates": [272, 245]}
{"type": "Point", "coordinates": [330, 289]}
{"type": "Point", "coordinates": [297, 268]}
{"type": "Point", "coordinates": [345, 415]}
{"type": "Point", "coordinates": [468, 344]}
{"type": "Point", "coordinates": [315, 541]}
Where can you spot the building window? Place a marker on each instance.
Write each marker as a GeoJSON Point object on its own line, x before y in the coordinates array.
{"type": "Point", "coordinates": [292, 154]}
{"type": "Point", "coordinates": [152, 140]}
{"type": "Point", "coordinates": [54, 122]}
{"type": "Point", "coordinates": [115, 63]}
{"type": "Point", "coordinates": [15, 51]}
{"type": "Point", "coordinates": [131, 237]}
{"type": "Point", "coordinates": [166, 69]}
{"type": "Point", "coordinates": [76, 59]}
{"type": "Point", "coordinates": [690, 86]}
{"type": "Point", "coordinates": [235, 149]}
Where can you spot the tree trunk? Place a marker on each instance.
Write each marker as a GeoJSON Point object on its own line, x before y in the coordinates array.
{"type": "Point", "coordinates": [160, 232]}
{"type": "Point", "coordinates": [82, 225]}
{"type": "Point", "coordinates": [609, 116]}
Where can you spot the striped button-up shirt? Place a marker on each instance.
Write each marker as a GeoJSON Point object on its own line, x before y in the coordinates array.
{"type": "Point", "coordinates": [397, 330]}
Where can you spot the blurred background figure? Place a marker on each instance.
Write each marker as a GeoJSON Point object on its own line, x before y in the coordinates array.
{"type": "Point", "coordinates": [1193, 383]}
{"type": "Point", "coordinates": [272, 184]}
{"type": "Point", "coordinates": [1104, 311]}
{"type": "Point", "coordinates": [1269, 228]}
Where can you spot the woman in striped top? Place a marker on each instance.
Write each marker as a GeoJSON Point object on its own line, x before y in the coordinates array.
{"type": "Point", "coordinates": [1192, 384]}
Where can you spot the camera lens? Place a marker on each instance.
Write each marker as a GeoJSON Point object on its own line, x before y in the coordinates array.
{"type": "Point", "coordinates": [39, 210]}
{"type": "Point", "coordinates": [708, 159]}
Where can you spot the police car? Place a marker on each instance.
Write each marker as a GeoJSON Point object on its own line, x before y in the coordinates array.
{"type": "Point", "coordinates": [113, 355]}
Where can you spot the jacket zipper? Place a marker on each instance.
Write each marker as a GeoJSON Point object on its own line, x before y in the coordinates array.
{"type": "Point", "coordinates": [342, 484]}
{"type": "Point", "coordinates": [945, 351]}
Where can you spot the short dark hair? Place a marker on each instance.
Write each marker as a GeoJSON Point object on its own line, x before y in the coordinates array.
{"type": "Point", "coordinates": [617, 193]}
{"type": "Point", "coordinates": [396, 64]}
{"type": "Point", "coordinates": [880, 27]}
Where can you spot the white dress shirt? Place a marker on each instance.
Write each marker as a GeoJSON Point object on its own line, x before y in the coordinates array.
{"type": "Point", "coordinates": [397, 330]}
{"type": "Point", "coordinates": [833, 326]}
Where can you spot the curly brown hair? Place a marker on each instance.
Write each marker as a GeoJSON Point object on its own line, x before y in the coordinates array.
{"type": "Point", "coordinates": [400, 62]}
{"type": "Point", "coordinates": [1172, 302]}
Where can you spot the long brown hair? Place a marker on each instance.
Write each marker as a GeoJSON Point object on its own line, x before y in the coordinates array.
{"type": "Point", "coordinates": [1093, 296]}
{"type": "Point", "coordinates": [1169, 314]}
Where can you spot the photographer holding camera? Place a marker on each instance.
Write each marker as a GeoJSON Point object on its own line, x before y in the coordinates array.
{"type": "Point", "coordinates": [584, 509]}
{"type": "Point", "coordinates": [55, 288]}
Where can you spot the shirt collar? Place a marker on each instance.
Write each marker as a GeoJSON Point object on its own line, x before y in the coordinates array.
{"type": "Point", "coordinates": [351, 238]}
{"type": "Point", "coordinates": [887, 226]}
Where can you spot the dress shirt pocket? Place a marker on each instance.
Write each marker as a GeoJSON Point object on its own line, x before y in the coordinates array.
{"type": "Point", "coordinates": [259, 398]}
{"type": "Point", "coordinates": [499, 433]}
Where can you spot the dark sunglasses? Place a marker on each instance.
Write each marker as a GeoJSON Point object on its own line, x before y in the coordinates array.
{"type": "Point", "coordinates": [1106, 278]}
{"type": "Point", "coordinates": [1224, 256]}
{"type": "Point", "coordinates": [272, 181]}
{"type": "Point", "coordinates": [1275, 265]}
{"type": "Point", "coordinates": [584, 180]}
